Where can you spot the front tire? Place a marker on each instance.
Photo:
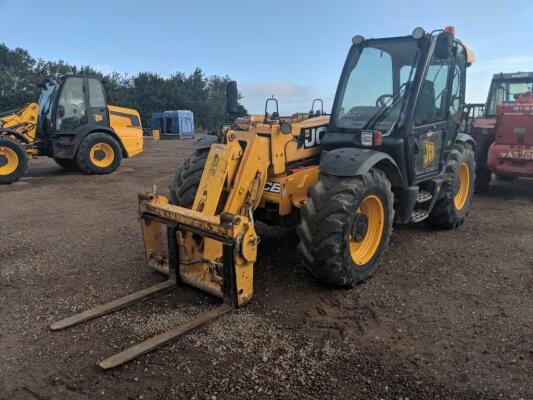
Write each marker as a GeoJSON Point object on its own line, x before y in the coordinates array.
{"type": "Point", "coordinates": [456, 195]}
{"type": "Point", "coordinates": [99, 153]}
{"type": "Point", "coordinates": [187, 178]}
{"type": "Point", "coordinates": [345, 227]}
{"type": "Point", "coordinates": [13, 160]}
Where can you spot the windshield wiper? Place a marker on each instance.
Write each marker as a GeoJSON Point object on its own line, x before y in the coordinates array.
{"type": "Point", "coordinates": [385, 108]}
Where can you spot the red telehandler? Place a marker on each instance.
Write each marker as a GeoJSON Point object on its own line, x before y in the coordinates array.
{"type": "Point", "coordinates": [504, 134]}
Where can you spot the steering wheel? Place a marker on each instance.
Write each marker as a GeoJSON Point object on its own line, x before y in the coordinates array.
{"type": "Point", "coordinates": [380, 101]}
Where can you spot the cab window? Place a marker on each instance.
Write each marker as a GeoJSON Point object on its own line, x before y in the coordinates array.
{"type": "Point", "coordinates": [71, 109]}
{"type": "Point", "coordinates": [456, 106]}
{"type": "Point", "coordinates": [432, 98]}
{"type": "Point", "coordinates": [96, 93]}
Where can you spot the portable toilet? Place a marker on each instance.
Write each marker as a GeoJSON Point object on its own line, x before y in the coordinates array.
{"type": "Point", "coordinates": [177, 124]}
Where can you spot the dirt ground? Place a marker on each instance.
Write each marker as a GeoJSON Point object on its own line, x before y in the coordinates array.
{"type": "Point", "coordinates": [448, 315]}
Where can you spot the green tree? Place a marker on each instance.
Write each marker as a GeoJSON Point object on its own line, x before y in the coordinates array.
{"type": "Point", "coordinates": [147, 92]}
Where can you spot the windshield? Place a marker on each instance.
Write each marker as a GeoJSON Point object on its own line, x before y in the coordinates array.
{"type": "Point", "coordinates": [505, 91]}
{"type": "Point", "coordinates": [376, 83]}
{"type": "Point", "coordinates": [45, 102]}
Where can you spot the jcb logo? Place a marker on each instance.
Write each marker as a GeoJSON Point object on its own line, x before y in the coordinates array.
{"type": "Point", "coordinates": [429, 153]}
{"type": "Point", "coordinates": [313, 136]}
{"type": "Point", "coordinates": [272, 187]}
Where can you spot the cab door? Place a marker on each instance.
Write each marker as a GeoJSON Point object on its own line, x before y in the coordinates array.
{"type": "Point", "coordinates": [97, 103]}
{"type": "Point", "coordinates": [430, 127]}
{"type": "Point", "coordinates": [71, 112]}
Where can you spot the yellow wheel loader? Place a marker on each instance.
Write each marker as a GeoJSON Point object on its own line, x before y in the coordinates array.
{"type": "Point", "coordinates": [390, 152]}
{"type": "Point", "coordinates": [71, 123]}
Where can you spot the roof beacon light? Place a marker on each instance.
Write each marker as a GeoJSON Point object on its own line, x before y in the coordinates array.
{"type": "Point", "coordinates": [418, 33]}
{"type": "Point", "coordinates": [450, 29]}
{"type": "Point", "coordinates": [358, 39]}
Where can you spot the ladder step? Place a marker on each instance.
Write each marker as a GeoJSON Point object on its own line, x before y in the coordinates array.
{"type": "Point", "coordinates": [423, 196]}
{"type": "Point", "coordinates": [419, 215]}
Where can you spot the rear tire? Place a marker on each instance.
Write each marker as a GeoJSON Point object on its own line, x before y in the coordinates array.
{"type": "Point", "coordinates": [99, 153]}
{"type": "Point", "coordinates": [13, 160]}
{"type": "Point", "coordinates": [483, 174]}
{"type": "Point", "coordinates": [456, 195]}
{"type": "Point", "coordinates": [187, 178]}
{"type": "Point", "coordinates": [67, 164]}
{"type": "Point", "coordinates": [345, 227]}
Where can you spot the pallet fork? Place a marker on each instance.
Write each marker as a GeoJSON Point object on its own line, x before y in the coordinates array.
{"type": "Point", "coordinates": [214, 253]}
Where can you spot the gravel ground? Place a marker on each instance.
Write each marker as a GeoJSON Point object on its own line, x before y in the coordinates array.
{"type": "Point", "coordinates": [449, 314]}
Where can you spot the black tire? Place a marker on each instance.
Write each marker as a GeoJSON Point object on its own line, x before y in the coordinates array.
{"type": "Point", "coordinates": [483, 178]}
{"type": "Point", "coordinates": [445, 214]}
{"type": "Point", "coordinates": [83, 157]}
{"type": "Point", "coordinates": [187, 178]}
{"type": "Point", "coordinates": [12, 152]}
{"type": "Point", "coordinates": [483, 174]}
{"type": "Point", "coordinates": [327, 220]}
{"type": "Point", "coordinates": [67, 164]}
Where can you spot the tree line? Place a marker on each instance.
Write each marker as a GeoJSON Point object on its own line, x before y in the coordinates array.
{"type": "Point", "coordinates": [146, 92]}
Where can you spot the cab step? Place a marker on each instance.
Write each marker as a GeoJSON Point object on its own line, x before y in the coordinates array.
{"type": "Point", "coordinates": [423, 196]}
{"type": "Point", "coordinates": [419, 215]}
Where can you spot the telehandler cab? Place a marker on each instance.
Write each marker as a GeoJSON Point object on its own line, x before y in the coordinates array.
{"type": "Point", "coordinates": [390, 152]}
{"type": "Point", "coordinates": [71, 123]}
{"type": "Point", "coordinates": [504, 133]}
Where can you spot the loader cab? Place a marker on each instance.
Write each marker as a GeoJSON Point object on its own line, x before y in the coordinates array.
{"type": "Point", "coordinates": [76, 122]}
{"type": "Point", "coordinates": [504, 88]}
{"type": "Point", "coordinates": [71, 103]}
{"type": "Point", "coordinates": [402, 96]}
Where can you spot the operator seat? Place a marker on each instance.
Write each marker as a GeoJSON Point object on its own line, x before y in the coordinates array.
{"type": "Point", "coordinates": [426, 100]}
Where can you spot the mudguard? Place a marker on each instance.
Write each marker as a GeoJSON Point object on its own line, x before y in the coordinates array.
{"type": "Point", "coordinates": [206, 142]}
{"type": "Point", "coordinates": [466, 138]}
{"type": "Point", "coordinates": [352, 161]}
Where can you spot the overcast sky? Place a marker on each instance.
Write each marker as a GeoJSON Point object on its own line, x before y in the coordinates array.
{"type": "Point", "coordinates": [291, 49]}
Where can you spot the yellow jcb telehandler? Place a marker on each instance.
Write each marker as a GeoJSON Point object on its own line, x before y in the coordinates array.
{"type": "Point", "coordinates": [71, 123]}
{"type": "Point", "coordinates": [389, 152]}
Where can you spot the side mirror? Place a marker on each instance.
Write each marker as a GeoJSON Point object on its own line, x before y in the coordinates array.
{"type": "Point", "coordinates": [232, 97]}
{"type": "Point", "coordinates": [443, 46]}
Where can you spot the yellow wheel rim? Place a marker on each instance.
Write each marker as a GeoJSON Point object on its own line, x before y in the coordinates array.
{"type": "Point", "coordinates": [9, 161]}
{"type": "Point", "coordinates": [464, 187]}
{"type": "Point", "coordinates": [102, 155]}
{"type": "Point", "coordinates": [367, 229]}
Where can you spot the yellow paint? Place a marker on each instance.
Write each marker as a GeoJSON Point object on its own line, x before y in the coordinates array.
{"type": "Point", "coordinates": [102, 155]}
{"type": "Point", "coordinates": [11, 161]}
{"type": "Point", "coordinates": [156, 135]}
{"type": "Point", "coordinates": [464, 187]}
{"type": "Point", "coordinates": [429, 153]}
{"type": "Point", "coordinates": [292, 189]}
{"type": "Point", "coordinates": [24, 121]}
{"type": "Point", "coordinates": [363, 250]}
{"type": "Point", "coordinates": [233, 185]}
{"type": "Point", "coordinates": [130, 136]}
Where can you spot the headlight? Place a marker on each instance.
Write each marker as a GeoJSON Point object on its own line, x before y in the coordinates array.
{"type": "Point", "coordinates": [358, 39]}
{"type": "Point", "coordinates": [367, 138]}
{"type": "Point", "coordinates": [418, 33]}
